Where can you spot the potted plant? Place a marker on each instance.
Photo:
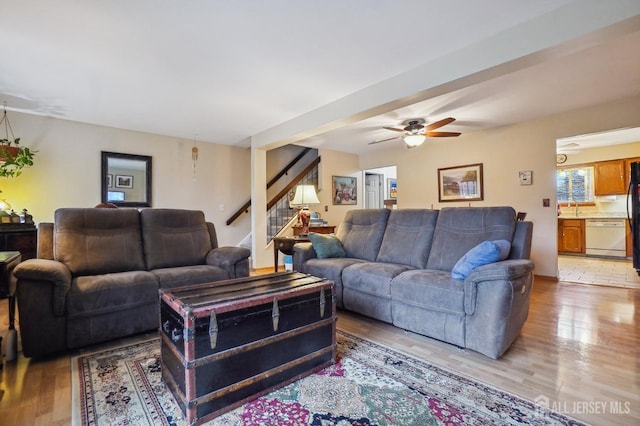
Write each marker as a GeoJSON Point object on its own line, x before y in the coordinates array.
{"type": "Point", "coordinates": [13, 157]}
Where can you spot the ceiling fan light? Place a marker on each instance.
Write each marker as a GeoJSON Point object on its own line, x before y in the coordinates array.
{"type": "Point", "coordinates": [414, 140]}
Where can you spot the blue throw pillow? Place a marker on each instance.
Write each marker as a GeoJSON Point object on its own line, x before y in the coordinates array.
{"type": "Point", "coordinates": [484, 253]}
{"type": "Point", "coordinates": [326, 245]}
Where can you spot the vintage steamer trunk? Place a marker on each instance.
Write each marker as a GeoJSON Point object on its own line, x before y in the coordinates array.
{"type": "Point", "coordinates": [228, 342]}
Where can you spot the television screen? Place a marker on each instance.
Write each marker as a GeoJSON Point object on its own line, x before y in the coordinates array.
{"type": "Point", "coordinates": [115, 196]}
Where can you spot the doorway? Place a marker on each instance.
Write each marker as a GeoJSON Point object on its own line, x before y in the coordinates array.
{"type": "Point", "coordinates": [373, 190]}
{"type": "Point", "coordinates": [579, 151]}
{"type": "Point", "coordinates": [377, 186]}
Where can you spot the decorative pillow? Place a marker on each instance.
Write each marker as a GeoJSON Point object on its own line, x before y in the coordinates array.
{"type": "Point", "coordinates": [484, 253]}
{"type": "Point", "coordinates": [326, 245]}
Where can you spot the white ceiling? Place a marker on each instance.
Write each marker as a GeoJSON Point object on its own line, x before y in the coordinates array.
{"type": "Point", "coordinates": [224, 71]}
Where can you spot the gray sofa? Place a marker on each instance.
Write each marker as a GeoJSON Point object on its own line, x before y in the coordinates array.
{"type": "Point", "coordinates": [397, 269]}
{"type": "Point", "coordinates": [98, 272]}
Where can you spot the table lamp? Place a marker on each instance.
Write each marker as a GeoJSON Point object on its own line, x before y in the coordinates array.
{"type": "Point", "coordinates": [305, 195]}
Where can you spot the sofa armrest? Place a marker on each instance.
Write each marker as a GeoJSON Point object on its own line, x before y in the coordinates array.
{"type": "Point", "coordinates": [47, 271]}
{"type": "Point", "coordinates": [235, 260]}
{"type": "Point", "coordinates": [301, 253]}
{"type": "Point", "coordinates": [508, 271]}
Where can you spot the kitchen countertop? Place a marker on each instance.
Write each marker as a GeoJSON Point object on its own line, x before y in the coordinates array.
{"type": "Point", "coordinates": [595, 215]}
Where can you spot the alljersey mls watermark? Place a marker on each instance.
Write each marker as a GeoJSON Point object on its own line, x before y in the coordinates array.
{"type": "Point", "coordinates": [583, 407]}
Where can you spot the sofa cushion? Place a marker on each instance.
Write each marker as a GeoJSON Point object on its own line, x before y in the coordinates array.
{"type": "Point", "coordinates": [173, 237]}
{"type": "Point", "coordinates": [179, 276]}
{"type": "Point", "coordinates": [408, 236]}
{"type": "Point", "coordinates": [330, 269]}
{"type": "Point", "coordinates": [484, 253]}
{"type": "Point", "coordinates": [101, 294]}
{"type": "Point", "coordinates": [98, 241]}
{"type": "Point", "coordinates": [361, 232]}
{"type": "Point", "coordinates": [429, 289]}
{"type": "Point", "coordinates": [372, 278]}
{"type": "Point", "coordinates": [326, 245]}
{"type": "Point", "coordinates": [459, 229]}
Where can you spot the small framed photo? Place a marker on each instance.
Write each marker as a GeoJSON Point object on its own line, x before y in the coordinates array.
{"type": "Point", "coordinates": [345, 190]}
{"type": "Point", "coordinates": [124, 181]}
{"type": "Point", "coordinates": [392, 188]}
{"type": "Point", "coordinates": [460, 183]}
{"type": "Point", "coordinates": [109, 181]}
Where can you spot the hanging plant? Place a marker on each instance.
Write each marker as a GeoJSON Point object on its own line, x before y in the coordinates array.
{"type": "Point", "coordinates": [13, 157]}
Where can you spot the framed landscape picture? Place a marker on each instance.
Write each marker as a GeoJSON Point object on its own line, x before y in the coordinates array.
{"type": "Point", "coordinates": [460, 183]}
{"type": "Point", "coordinates": [345, 190]}
{"type": "Point", "coordinates": [124, 181]}
{"type": "Point", "coordinates": [392, 188]}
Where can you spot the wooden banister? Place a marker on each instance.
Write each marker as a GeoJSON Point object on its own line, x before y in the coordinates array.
{"type": "Point", "coordinates": [294, 182]}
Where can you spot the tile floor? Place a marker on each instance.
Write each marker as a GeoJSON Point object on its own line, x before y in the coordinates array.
{"type": "Point", "coordinates": [591, 270]}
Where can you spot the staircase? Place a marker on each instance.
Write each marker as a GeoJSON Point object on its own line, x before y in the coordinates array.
{"type": "Point", "coordinates": [279, 212]}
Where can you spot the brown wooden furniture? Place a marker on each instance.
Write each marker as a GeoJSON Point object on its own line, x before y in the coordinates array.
{"type": "Point", "coordinates": [610, 177]}
{"type": "Point", "coordinates": [8, 261]}
{"type": "Point", "coordinates": [228, 342]}
{"type": "Point", "coordinates": [22, 238]}
{"type": "Point", "coordinates": [285, 245]}
{"type": "Point", "coordinates": [571, 236]}
{"type": "Point", "coordinates": [326, 229]}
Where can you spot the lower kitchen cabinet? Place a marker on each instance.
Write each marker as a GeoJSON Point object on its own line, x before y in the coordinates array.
{"type": "Point", "coordinates": [571, 236]}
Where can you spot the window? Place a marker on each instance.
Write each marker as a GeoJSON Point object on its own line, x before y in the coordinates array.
{"type": "Point", "coordinates": [575, 185]}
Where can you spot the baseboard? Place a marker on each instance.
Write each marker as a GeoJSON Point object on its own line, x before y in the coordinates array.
{"type": "Point", "coordinates": [265, 270]}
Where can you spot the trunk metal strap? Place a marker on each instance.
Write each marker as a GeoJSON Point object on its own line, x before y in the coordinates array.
{"type": "Point", "coordinates": [213, 329]}
{"type": "Point", "coordinates": [275, 316]}
{"type": "Point", "coordinates": [322, 302]}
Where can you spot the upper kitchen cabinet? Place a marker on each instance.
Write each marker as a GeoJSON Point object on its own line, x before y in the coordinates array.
{"type": "Point", "coordinates": [610, 177]}
{"type": "Point", "coordinates": [627, 169]}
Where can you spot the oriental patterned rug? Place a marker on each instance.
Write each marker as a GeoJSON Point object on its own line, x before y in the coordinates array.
{"type": "Point", "coordinates": [369, 385]}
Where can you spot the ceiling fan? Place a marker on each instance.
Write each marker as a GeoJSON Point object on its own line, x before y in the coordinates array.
{"type": "Point", "coordinates": [415, 131]}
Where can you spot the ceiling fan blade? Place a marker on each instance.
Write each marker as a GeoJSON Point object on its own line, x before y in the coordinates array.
{"type": "Point", "coordinates": [440, 123]}
{"type": "Point", "coordinates": [394, 129]}
{"type": "Point", "coordinates": [383, 140]}
{"type": "Point", "coordinates": [441, 134]}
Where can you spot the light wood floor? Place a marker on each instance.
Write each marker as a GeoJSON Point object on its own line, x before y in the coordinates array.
{"type": "Point", "coordinates": [580, 349]}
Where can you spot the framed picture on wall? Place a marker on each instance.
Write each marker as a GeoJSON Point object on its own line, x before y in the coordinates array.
{"type": "Point", "coordinates": [109, 181]}
{"type": "Point", "coordinates": [392, 188]}
{"type": "Point", "coordinates": [460, 183]}
{"type": "Point", "coordinates": [124, 181]}
{"type": "Point", "coordinates": [345, 190]}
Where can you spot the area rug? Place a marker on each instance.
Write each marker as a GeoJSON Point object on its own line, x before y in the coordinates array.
{"type": "Point", "coordinates": [369, 385]}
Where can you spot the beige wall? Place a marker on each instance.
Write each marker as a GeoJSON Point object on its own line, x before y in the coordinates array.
{"type": "Point", "coordinates": [504, 152]}
{"type": "Point", "coordinates": [66, 171]}
{"type": "Point", "coordinates": [331, 163]}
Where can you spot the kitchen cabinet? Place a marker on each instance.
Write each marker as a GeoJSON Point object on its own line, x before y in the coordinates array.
{"type": "Point", "coordinates": [627, 170]}
{"type": "Point", "coordinates": [571, 236]}
{"type": "Point", "coordinates": [610, 177]}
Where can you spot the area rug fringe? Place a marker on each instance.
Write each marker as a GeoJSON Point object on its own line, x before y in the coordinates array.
{"type": "Point", "coordinates": [371, 384]}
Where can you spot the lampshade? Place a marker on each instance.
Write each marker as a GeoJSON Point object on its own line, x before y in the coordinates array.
{"type": "Point", "coordinates": [305, 195]}
{"type": "Point", "coordinates": [414, 140]}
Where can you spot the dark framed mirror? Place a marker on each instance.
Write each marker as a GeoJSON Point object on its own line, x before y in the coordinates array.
{"type": "Point", "coordinates": [126, 179]}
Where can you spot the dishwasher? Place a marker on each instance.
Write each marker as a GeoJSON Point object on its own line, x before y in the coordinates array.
{"type": "Point", "coordinates": [605, 237]}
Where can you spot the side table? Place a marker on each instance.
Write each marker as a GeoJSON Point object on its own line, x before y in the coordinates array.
{"type": "Point", "coordinates": [285, 245]}
{"type": "Point", "coordinates": [8, 261]}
